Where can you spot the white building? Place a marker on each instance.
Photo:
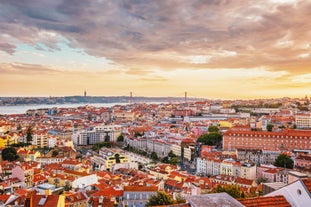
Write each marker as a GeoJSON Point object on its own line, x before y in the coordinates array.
{"type": "Point", "coordinates": [40, 139]}
{"type": "Point", "coordinates": [297, 193]}
{"type": "Point", "coordinates": [213, 166]}
{"type": "Point", "coordinates": [85, 181]}
{"type": "Point", "coordinates": [52, 142]}
{"type": "Point", "coordinates": [303, 121]}
{"type": "Point", "coordinates": [103, 133]}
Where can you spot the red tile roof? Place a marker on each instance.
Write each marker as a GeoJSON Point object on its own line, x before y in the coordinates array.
{"type": "Point", "coordinates": [307, 183]}
{"type": "Point", "coordinates": [140, 188]}
{"type": "Point", "coordinates": [275, 201]}
{"type": "Point", "coordinates": [46, 201]}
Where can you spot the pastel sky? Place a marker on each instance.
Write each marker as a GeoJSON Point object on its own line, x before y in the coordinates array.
{"type": "Point", "coordinates": [209, 48]}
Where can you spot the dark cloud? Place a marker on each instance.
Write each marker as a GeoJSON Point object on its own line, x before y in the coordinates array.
{"type": "Point", "coordinates": [134, 33]}
{"type": "Point", "coordinates": [8, 48]}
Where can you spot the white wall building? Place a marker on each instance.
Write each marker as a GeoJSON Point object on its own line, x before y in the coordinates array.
{"type": "Point", "coordinates": [297, 193]}
{"type": "Point", "coordinates": [85, 181]}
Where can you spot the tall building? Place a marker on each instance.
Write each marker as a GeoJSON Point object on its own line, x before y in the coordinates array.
{"type": "Point", "coordinates": [105, 133]}
{"type": "Point", "coordinates": [286, 140]}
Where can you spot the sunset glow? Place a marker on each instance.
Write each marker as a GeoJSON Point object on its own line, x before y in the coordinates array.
{"type": "Point", "coordinates": [211, 49]}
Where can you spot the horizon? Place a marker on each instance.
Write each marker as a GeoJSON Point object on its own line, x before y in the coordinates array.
{"type": "Point", "coordinates": [212, 49]}
{"type": "Point", "coordinates": [179, 97]}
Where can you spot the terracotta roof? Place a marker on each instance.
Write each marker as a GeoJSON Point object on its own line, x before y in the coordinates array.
{"type": "Point", "coordinates": [140, 188]}
{"type": "Point", "coordinates": [21, 192]}
{"type": "Point", "coordinates": [42, 200]}
{"type": "Point", "coordinates": [4, 198]}
{"type": "Point", "coordinates": [307, 183]}
{"type": "Point", "coordinates": [275, 201]}
{"type": "Point", "coordinates": [76, 197]}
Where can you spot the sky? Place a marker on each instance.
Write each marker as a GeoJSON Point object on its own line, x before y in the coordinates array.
{"type": "Point", "coordinates": [208, 48]}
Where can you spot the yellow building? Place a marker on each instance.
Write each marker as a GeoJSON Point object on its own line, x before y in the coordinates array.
{"type": "Point", "coordinates": [60, 180]}
{"type": "Point", "coordinates": [8, 139]}
{"type": "Point", "coordinates": [76, 199]}
{"type": "Point", "coordinates": [225, 124]}
{"type": "Point", "coordinates": [111, 157]}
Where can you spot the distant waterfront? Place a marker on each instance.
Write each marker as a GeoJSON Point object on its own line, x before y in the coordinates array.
{"type": "Point", "coordinates": [21, 109]}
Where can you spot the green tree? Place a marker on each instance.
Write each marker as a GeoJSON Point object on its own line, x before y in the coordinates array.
{"type": "Point", "coordinates": [270, 127]}
{"type": "Point", "coordinates": [120, 138]}
{"type": "Point", "coordinates": [232, 190]}
{"type": "Point", "coordinates": [180, 199]}
{"type": "Point", "coordinates": [54, 153]}
{"type": "Point", "coordinates": [29, 135]}
{"type": "Point", "coordinates": [154, 156]}
{"type": "Point", "coordinates": [9, 154]}
{"type": "Point", "coordinates": [213, 129]}
{"type": "Point", "coordinates": [174, 161]}
{"type": "Point", "coordinates": [284, 161]}
{"type": "Point", "coordinates": [213, 138]}
{"type": "Point", "coordinates": [159, 199]}
{"type": "Point", "coordinates": [261, 180]}
{"type": "Point", "coordinates": [171, 154]}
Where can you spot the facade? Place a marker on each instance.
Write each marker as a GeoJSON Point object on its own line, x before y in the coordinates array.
{"type": "Point", "coordinates": [24, 173]}
{"type": "Point", "coordinates": [303, 121]}
{"type": "Point", "coordinates": [137, 196]}
{"type": "Point", "coordinates": [287, 140]}
{"type": "Point", "coordinates": [40, 140]}
{"type": "Point", "coordinates": [272, 173]}
{"type": "Point", "coordinates": [107, 158]}
{"type": "Point", "coordinates": [258, 156]}
{"type": "Point", "coordinates": [105, 133]}
{"type": "Point", "coordinates": [303, 162]}
{"type": "Point", "coordinates": [216, 166]}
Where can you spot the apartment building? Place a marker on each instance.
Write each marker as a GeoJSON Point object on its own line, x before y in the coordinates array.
{"type": "Point", "coordinates": [287, 140]}
{"type": "Point", "coordinates": [108, 158]}
{"type": "Point", "coordinates": [231, 167]}
{"type": "Point", "coordinates": [303, 121]}
{"type": "Point", "coordinates": [104, 133]}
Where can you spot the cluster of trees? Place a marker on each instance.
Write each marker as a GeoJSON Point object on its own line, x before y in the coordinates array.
{"type": "Point", "coordinates": [96, 147]}
{"type": "Point", "coordinates": [134, 150]}
{"type": "Point", "coordinates": [214, 137]}
{"type": "Point", "coordinates": [161, 198]}
{"type": "Point", "coordinates": [285, 161]}
{"type": "Point", "coordinates": [171, 158]}
{"type": "Point", "coordinates": [9, 154]}
{"type": "Point", "coordinates": [232, 190]}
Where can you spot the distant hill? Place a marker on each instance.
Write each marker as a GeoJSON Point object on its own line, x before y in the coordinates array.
{"type": "Point", "coordinates": [4, 101]}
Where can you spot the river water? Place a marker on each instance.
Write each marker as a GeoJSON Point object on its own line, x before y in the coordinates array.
{"type": "Point", "coordinates": [21, 109]}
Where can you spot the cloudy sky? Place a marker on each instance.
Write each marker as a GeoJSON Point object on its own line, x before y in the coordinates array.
{"type": "Point", "coordinates": [209, 48]}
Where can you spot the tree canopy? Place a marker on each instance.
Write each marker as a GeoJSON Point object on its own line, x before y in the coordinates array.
{"type": "Point", "coordinates": [270, 127]}
{"type": "Point", "coordinates": [284, 161]}
{"type": "Point", "coordinates": [9, 154]}
{"type": "Point", "coordinates": [154, 156]}
{"type": "Point", "coordinates": [29, 135]}
{"type": "Point", "coordinates": [213, 129]}
{"type": "Point", "coordinates": [159, 199]}
{"type": "Point", "coordinates": [171, 158]}
{"type": "Point", "coordinates": [211, 139]}
{"type": "Point", "coordinates": [120, 138]}
{"type": "Point", "coordinates": [232, 190]}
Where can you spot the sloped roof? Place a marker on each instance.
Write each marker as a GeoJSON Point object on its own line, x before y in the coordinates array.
{"type": "Point", "coordinates": [307, 183]}
{"type": "Point", "coordinates": [275, 201]}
